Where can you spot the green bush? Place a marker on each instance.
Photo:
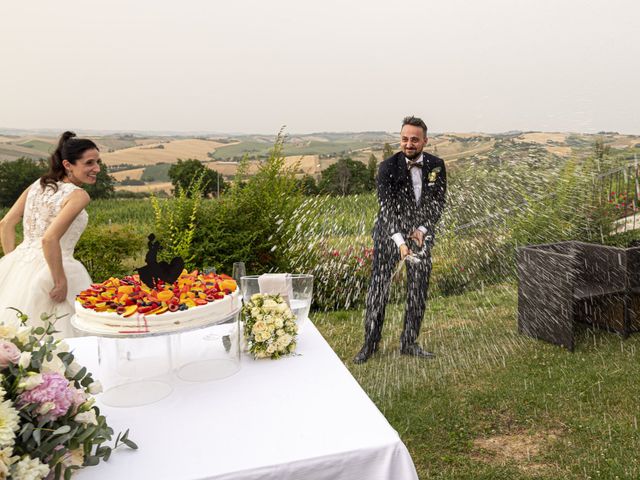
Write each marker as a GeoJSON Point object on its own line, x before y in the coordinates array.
{"type": "Point", "coordinates": [341, 276]}
{"type": "Point", "coordinates": [471, 259]}
{"type": "Point", "coordinates": [175, 221]}
{"type": "Point", "coordinates": [103, 250]}
{"type": "Point", "coordinates": [252, 222]}
{"type": "Point", "coordinates": [572, 212]}
{"type": "Point", "coordinates": [16, 176]}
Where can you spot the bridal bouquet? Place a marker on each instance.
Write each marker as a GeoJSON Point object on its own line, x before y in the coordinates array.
{"type": "Point", "coordinates": [49, 425]}
{"type": "Point", "coordinates": [269, 326]}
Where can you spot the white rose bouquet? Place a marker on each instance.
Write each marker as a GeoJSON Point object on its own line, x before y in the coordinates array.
{"type": "Point", "coordinates": [269, 326]}
{"type": "Point", "coordinates": [49, 425]}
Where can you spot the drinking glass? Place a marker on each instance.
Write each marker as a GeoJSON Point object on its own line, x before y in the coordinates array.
{"type": "Point", "coordinates": [239, 271]}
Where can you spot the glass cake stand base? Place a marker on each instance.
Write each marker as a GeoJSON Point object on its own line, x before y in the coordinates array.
{"type": "Point", "coordinates": [206, 370]}
{"type": "Point", "coordinates": [134, 371]}
{"type": "Point", "coordinates": [137, 393]}
{"type": "Point", "coordinates": [137, 369]}
{"type": "Point", "coordinates": [212, 353]}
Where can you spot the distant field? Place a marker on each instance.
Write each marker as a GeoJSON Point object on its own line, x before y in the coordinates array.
{"type": "Point", "coordinates": [625, 141]}
{"type": "Point", "coordinates": [455, 146]}
{"type": "Point", "coordinates": [169, 153]}
{"type": "Point", "coordinates": [553, 142]}
{"type": "Point", "coordinates": [156, 173]}
{"type": "Point", "coordinates": [300, 147]}
{"type": "Point", "coordinates": [133, 174]}
{"type": "Point", "coordinates": [307, 164]}
{"type": "Point", "coordinates": [238, 149]}
{"type": "Point", "coordinates": [149, 187]}
{"type": "Point", "coordinates": [543, 137]}
{"type": "Point", "coordinates": [110, 144]}
{"type": "Point", "coordinates": [9, 152]}
{"type": "Point", "coordinates": [45, 147]}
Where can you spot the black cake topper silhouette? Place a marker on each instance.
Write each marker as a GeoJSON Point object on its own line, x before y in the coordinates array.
{"type": "Point", "coordinates": [154, 270]}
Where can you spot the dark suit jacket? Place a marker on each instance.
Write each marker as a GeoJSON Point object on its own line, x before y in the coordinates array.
{"type": "Point", "coordinates": [399, 211]}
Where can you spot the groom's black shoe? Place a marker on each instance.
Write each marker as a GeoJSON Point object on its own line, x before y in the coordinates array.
{"type": "Point", "coordinates": [365, 352]}
{"type": "Point", "coordinates": [416, 350]}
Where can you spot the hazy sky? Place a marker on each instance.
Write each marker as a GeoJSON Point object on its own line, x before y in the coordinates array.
{"type": "Point", "coordinates": [254, 65]}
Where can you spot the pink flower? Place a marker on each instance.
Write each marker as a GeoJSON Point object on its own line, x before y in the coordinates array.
{"type": "Point", "coordinates": [54, 388]}
{"type": "Point", "coordinates": [79, 396]}
{"type": "Point", "coordinates": [9, 353]}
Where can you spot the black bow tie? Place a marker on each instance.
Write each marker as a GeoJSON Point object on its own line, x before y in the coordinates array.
{"type": "Point", "coordinates": [414, 163]}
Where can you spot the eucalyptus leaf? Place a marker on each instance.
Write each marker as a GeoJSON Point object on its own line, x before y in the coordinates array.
{"type": "Point", "coordinates": [130, 443]}
{"type": "Point", "coordinates": [107, 454]}
{"type": "Point", "coordinates": [26, 431]}
{"type": "Point", "coordinates": [90, 430]}
{"type": "Point", "coordinates": [80, 374]}
{"type": "Point", "coordinates": [61, 430]}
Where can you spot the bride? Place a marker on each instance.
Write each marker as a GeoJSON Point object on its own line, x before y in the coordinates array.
{"type": "Point", "coordinates": [40, 275]}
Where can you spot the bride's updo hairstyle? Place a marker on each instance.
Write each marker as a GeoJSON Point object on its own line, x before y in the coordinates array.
{"type": "Point", "coordinates": [69, 148]}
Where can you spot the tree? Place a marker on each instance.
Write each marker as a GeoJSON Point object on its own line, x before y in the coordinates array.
{"type": "Point", "coordinates": [103, 188]}
{"type": "Point", "coordinates": [346, 177]}
{"type": "Point", "coordinates": [387, 151]}
{"type": "Point", "coordinates": [372, 170]}
{"type": "Point", "coordinates": [185, 171]}
{"type": "Point", "coordinates": [16, 176]}
{"type": "Point", "coordinates": [600, 152]}
{"type": "Point", "coordinates": [307, 185]}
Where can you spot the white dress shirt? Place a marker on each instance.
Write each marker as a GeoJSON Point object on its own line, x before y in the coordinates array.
{"type": "Point", "coordinates": [416, 180]}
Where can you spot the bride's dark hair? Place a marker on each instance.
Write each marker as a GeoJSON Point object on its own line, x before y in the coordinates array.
{"type": "Point", "coordinates": [69, 148]}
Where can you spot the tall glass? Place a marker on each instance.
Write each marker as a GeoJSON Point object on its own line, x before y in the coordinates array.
{"type": "Point", "coordinates": [239, 271]}
{"type": "Point", "coordinates": [302, 293]}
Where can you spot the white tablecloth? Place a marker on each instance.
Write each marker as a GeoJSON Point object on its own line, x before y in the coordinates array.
{"type": "Point", "coordinates": [297, 418]}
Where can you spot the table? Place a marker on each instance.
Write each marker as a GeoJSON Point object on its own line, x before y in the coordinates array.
{"type": "Point", "coordinates": [297, 418]}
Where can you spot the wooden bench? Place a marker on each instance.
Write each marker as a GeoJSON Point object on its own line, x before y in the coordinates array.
{"type": "Point", "coordinates": [563, 283]}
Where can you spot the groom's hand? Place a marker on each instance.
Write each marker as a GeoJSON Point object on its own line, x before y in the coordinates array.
{"type": "Point", "coordinates": [418, 236]}
{"type": "Point", "coordinates": [404, 251]}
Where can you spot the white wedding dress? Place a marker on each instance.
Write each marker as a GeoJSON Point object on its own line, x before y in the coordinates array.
{"type": "Point", "coordinates": [25, 278]}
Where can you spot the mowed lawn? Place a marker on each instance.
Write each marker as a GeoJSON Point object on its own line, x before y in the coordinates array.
{"type": "Point", "coordinates": [495, 404]}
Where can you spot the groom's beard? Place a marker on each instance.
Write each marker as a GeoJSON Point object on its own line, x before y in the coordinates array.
{"type": "Point", "coordinates": [412, 154]}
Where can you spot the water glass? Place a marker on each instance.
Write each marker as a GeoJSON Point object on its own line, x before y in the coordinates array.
{"type": "Point", "coordinates": [239, 271]}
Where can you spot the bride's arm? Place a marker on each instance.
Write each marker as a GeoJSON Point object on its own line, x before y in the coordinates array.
{"type": "Point", "coordinates": [76, 201]}
{"type": "Point", "coordinates": [9, 222]}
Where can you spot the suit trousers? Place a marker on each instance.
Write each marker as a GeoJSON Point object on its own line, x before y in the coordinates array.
{"type": "Point", "coordinates": [386, 256]}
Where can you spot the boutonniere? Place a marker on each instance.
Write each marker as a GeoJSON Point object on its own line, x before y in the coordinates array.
{"type": "Point", "coordinates": [433, 174]}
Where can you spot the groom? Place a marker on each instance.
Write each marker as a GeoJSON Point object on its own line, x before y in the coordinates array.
{"type": "Point", "coordinates": [411, 194]}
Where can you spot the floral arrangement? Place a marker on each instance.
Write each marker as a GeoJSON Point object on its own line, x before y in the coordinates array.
{"type": "Point", "coordinates": [49, 425]}
{"type": "Point", "coordinates": [269, 326]}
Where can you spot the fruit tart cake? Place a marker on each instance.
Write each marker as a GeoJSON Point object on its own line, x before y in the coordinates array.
{"type": "Point", "coordinates": [126, 306]}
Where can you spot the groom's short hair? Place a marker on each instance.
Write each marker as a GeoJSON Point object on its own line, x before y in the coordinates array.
{"type": "Point", "coordinates": [415, 122]}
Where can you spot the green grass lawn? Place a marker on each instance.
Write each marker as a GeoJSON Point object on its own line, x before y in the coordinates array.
{"type": "Point", "coordinates": [495, 404]}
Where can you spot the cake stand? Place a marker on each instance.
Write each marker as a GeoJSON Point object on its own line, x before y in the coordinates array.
{"type": "Point", "coordinates": [141, 368]}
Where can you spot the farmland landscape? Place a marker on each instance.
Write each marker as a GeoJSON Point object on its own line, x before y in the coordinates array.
{"type": "Point", "coordinates": [493, 404]}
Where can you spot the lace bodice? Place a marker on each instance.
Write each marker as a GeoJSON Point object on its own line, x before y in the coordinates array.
{"type": "Point", "coordinates": [41, 209]}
